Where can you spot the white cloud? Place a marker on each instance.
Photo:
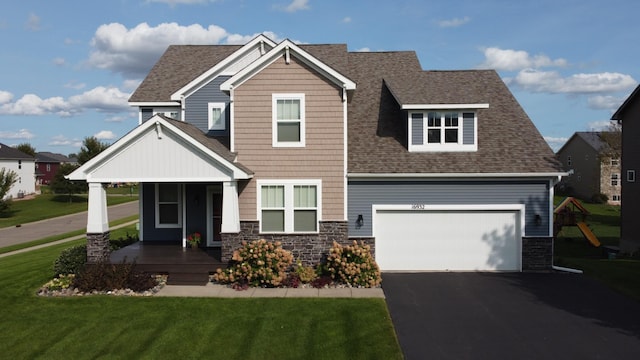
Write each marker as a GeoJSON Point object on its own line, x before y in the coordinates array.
{"type": "Point", "coordinates": [105, 135]}
{"type": "Point", "coordinates": [364, 49]}
{"type": "Point", "coordinates": [117, 118]}
{"type": "Point", "coordinates": [555, 142]}
{"type": "Point", "coordinates": [107, 99]}
{"type": "Point", "coordinates": [131, 84]}
{"type": "Point", "coordinates": [237, 39]}
{"type": "Point", "coordinates": [553, 82]}
{"type": "Point", "coordinates": [511, 60]}
{"type": "Point", "coordinates": [20, 134]}
{"type": "Point", "coordinates": [75, 85]}
{"type": "Point", "coordinates": [5, 97]}
{"type": "Point", "coordinates": [600, 125]}
{"type": "Point", "coordinates": [296, 5]}
{"type": "Point", "coordinates": [607, 102]}
{"type": "Point", "coordinates": [346, 20]}
{"type": "Point", "coordinates": [31, 104]}
{"type": "Point", "coordinates": [59, 61]}
{"type": "Point", "coordinates": [134, 51]}
{"type": "Point", "coordinates": [454, 22]}
{"type": "Point", "coordinates": [33, 22]}
{"type": "Point", "coordinates": [61, 140]}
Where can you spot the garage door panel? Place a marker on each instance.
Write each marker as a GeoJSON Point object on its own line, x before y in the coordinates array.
{"type": "Point", "coordinates": [447, 240]}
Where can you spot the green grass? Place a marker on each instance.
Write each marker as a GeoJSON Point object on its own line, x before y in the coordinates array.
{"type": "Point", "coordinates": [574, 251]}
{"type": "Point", "coordinates": [47, 206]}
{"type": "Point", "coordinates": [139, 328]}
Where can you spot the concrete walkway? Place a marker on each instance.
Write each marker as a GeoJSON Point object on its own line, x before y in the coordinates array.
{"type": "Point", "coordinates": [222, 291]}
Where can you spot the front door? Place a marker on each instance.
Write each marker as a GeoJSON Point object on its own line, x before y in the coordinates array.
{"type": "Point", "coordinates": [214, 215]}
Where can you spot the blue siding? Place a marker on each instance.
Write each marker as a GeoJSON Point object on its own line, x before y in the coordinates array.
{"type": "Point", "coordinates": [147, 113]}
{"type": "Point", "coordinates": [468, 128]}
{"type": "Point", "coordinates": [417, 131]}
{"type": "Point", "coordinates": [196, 106]}
{"type": "Point", "coordinates": [196, 204]}
{"type": "Point", "coordinates": [363, 194]}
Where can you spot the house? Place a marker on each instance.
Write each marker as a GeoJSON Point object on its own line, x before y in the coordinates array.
{"type": "Point", "coordinates": [310, 144]}
{"type": "Point", "coordinates": [628, 115]}
{"type": "Point", "coordinates": [12, 159]}
{"type": "Point", "coordinates": [592, 170]}
{"type": "Point", "coordinates": [47, 165]}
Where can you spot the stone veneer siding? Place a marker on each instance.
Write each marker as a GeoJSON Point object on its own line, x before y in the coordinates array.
{"type": "Point", "coordinates": [537, 254]}
{"type": "Point", "coordinates": [309, 248]}
{"type": "Point", "coordinates": [98, 247]}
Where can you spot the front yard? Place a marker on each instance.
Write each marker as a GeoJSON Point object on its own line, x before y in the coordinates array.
{"type": "Point", "coordinates": [134, 327]}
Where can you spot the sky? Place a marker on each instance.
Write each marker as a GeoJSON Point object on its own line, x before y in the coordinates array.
{"type": "Point", "coordinates": [67, 68]}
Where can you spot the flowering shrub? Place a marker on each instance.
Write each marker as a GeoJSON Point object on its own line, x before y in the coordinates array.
{"type": "Point", "coordinates": [194, 239]}
{"type": "Point", "coordinates": [257, 263]}
{"type": "Point", "coordinates": [353, 265]}
{"type": "Point", "coordinates": [60, 283]}
{"type": "Point", "coordinates": [306, 274]}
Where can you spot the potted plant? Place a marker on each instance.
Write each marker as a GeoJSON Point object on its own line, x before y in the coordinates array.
{"type": "Point", "coordinates": [194, 239]}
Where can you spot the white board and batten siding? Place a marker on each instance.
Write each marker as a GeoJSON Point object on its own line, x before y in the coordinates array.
{"type": "Point", "coordinates": [161, 158]}
{"type": "Point", "coordinates": [421, 237]}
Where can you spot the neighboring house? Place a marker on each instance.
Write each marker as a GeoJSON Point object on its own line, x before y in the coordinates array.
{"type": "Point", "coordinates": [310, 144]}
{"type": "Point", "coordinates": [47, 165]}
{"type": "Point", "coordinates": [591, 170]}
{"type": "Point", "coordinates": [12, 159]}
{"type": "Point", "coordinates": [629, 116]}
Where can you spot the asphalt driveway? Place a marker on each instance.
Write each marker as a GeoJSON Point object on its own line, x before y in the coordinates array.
{"type": "Point", "coordinates": [510, 316]}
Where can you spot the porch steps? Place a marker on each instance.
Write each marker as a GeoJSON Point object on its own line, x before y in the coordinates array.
{"type": "Point", "coordinates": [188, 278]}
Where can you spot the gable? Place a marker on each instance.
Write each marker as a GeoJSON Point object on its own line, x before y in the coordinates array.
{"type": "Point", "coordinates": [160, 151]}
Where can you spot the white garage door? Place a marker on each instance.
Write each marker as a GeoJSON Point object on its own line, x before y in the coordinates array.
{"type": "Point", "coordinates": [448, 238]}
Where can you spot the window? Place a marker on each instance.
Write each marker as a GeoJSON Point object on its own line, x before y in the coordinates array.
{"type": "Point", "coordinates": [288, 120]}
{"type": "Point", "coordinates": [48, 167]}
{"type": "Point", "coordinates": [615, 197]}
{"type": "Point", "coordinates": [289, 206]}
{"type": "Point", "coordinates": [615, 162]}
{"type": "Point", "coordinates": [631, 175]}
{"type": "Point", "coordinates": [443, 131]}
{"type": "Point", "coordinates": [614, 179]}
{"type": "Point", "coordinates": [569, 160]}
{"type": "Point", "coordinates": [168, 205]}
{"type": "Point", "coordinates": [217, 117]}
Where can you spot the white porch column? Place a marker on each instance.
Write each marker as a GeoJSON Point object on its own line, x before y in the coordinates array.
{"type": "Point", "coordinates": [97, 218]}
{"type": "Point", "coordinates": [230, 208]}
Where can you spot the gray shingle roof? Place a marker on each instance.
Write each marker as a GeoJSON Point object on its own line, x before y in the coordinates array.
{"type": "Point", "coordinates": [49, 157]}
{"type": "Point", "coordinates": [10, 153]}
{"type": "Point", "coordinates": [508, 142]}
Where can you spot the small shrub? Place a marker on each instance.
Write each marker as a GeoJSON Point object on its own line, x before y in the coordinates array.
{"type": "Point", "coordinates": [60, 283]}
{"type": "Point", "coordinates": [353, 265]}
{"type": "Point", "coordinates": [70, 260]}
{"type": "Point", "coordinates": [291, 281]}
{"type": "Point", "coordinates": [119, 243]}
{"type": "Point", "coordinates": [306, 274]}
{"type": "Point", "coordinates": [322, 281]}
{"type": "Point", "coordinates": [107, 277]}
{"type": "Point", "coordinates": [599, 199]}
{"type": "Point", "coordinates": [257, 263]}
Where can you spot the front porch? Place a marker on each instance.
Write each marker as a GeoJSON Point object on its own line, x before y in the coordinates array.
{"type": "Point", "coordinates": [184, 266]}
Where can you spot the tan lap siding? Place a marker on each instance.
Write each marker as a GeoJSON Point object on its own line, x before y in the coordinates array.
{"type": "Point", "coordinates": [321, 158]}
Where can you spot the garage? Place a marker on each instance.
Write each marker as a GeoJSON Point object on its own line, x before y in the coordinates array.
{"type": "Point", "coordinates": [448, 237]}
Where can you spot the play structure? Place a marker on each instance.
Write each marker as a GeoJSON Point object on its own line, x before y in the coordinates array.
{"type": "Point", "coordinates": [570, 212]}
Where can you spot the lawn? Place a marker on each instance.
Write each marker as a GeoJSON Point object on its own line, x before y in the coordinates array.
{"type": "Point", "coordinates": [49, 205]}
{"type": "Point", "coordinates": [127, 327]}
{"type": "Point", "coordinates": [574, 251]}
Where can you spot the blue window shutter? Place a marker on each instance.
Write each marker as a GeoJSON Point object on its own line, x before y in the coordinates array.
{"type": "Point", "coordinates": [417, 132]}
{"type": "Point", "coordinates": [468, 130]}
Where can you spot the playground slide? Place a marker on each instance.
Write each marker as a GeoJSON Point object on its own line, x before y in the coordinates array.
{"type": "Point", "coordinates": [588, 234]}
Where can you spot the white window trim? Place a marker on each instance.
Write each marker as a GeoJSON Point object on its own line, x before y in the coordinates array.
{"type": "Point", "coordinates": [443, 147]}
{"type": "Point", "coordinates": [274, 114]}
{"type": "Point", "coordinates": [631, 176]}
{"type": "Point", "coordinates": [216, 105]}
{"type": "Point", "coordinates": [288, 203]}
{"type": "Point", "coordinates": [157, 208]}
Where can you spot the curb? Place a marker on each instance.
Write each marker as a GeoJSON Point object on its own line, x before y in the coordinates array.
{"type": "Point", "coordinates": [223, 291]}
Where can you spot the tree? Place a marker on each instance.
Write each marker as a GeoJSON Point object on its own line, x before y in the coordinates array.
{"type": "Point", "coordinates": [91, 147]}
{"type": "Point", "coordinates": [7, 179]}
{"type": "Point", "coordinates": [61, 185]}
{"type": "Point", "coordinates": [613, 140]}
{"type": "Point", "coordinates": [27, 149]}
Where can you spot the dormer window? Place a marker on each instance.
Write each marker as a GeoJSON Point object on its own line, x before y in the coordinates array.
{"type": "Point", "coordinates": [217, 117]}
{"type": "Point", "coordinates": [443, 130]}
